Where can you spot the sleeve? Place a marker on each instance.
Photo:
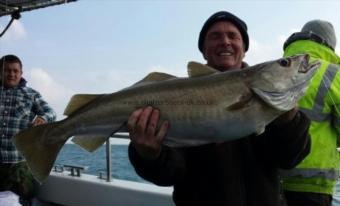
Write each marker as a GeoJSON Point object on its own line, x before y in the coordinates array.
{"type": "Point", "coordinates": [336, 123]}
{"type": "Point", "coordinates": [164, 171]}
{"type": "Point", "coordinates": [335, 99]}
{"type": "Point", "coordinates": [42, 109]}
{"type": "Point", "coordinates": [289, 143]}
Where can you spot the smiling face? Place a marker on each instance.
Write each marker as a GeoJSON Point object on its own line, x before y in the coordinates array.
{"type": "Point", "coordinates": [12, 74]}
{"type": "Point", "coordinates": [223, 46]}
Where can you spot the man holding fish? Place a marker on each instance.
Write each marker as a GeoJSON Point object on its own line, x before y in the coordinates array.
{"type": "Point", "coordinates": [237, 172]}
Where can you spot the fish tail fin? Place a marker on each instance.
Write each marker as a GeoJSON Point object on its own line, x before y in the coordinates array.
{"type": "Point", "coordinates": [39, 153]}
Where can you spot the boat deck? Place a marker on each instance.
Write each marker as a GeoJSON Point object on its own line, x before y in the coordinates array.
{"type": "Point", "coordinates": [89, 190]}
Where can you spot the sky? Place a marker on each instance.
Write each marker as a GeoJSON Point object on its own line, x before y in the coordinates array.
{"type": "Point", "coordinates": [102, 46]}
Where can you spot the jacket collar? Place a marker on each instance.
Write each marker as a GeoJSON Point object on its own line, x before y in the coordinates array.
{"type": "Point", "coordinates": [22, 83]}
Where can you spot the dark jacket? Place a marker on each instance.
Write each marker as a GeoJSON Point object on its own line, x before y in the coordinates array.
{"type": "Point", "coordinates": [243, 172]}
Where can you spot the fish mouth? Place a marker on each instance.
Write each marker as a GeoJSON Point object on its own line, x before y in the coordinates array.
{"type": "Point", "coordinates": [314, 65]}
{"type": "Point", "coordinates": [306, 66]}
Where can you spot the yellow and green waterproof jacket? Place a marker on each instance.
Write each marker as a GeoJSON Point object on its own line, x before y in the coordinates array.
{"type": "Point", "coordinates": [318, 172]}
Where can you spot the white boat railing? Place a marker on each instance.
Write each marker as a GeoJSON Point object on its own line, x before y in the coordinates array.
{"type": "Point", "coordinates": [108, 161]}
{"type": "Point", "coordinates": [89, 190]}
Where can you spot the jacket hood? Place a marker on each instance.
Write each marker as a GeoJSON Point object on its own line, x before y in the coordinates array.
{"type": "Point", "coordinates": [312, 48]}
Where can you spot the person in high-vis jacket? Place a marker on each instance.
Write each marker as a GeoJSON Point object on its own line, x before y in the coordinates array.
{"type": "Point", "coordinates": [312, 182]}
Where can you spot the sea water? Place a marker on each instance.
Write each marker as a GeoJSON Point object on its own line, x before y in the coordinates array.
{"type": "Point", "coordinates": [95, 162]}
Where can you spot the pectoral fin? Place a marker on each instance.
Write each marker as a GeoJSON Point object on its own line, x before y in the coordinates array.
{"type": "Point", "coordinates": [242, 102]}
{"type": "Point", "coordinates": [260, 129]}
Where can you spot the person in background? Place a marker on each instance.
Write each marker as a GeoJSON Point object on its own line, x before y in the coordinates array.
{"type": "Point", "coordinates": [20, 107]}
{"type": "Point", "coordinates": [312, 181]}
{"type": "Point", "coordinates": [336, 193]}
{"type": "Point", "coordinates": [241, 172]}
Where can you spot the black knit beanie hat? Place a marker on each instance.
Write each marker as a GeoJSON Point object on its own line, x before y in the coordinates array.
{"type": "Point", "coordinates": [224, 16]}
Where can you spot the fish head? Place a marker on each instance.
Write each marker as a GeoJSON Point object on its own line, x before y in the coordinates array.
{"type": "Point", "coordinates": [281, 83]}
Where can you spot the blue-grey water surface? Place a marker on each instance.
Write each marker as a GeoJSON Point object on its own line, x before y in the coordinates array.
{"type": "Point", "coordinates": [96, 161]}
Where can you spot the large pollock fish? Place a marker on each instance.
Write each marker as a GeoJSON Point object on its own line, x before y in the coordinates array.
{"type": "Point", "coordinates": [207, 107]}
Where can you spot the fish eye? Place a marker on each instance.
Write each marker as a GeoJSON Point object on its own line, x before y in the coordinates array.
{"type": "Point", "coordinates": [284, 62]}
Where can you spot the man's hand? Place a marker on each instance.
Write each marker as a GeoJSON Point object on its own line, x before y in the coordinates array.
{"type": "Point", "coordinates": [146, 139]}
{"type": "Point", "coordinates": [38, 121]}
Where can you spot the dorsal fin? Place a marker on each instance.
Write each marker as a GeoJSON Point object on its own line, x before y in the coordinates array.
{"type": "Point", "coordinates": [155, 77]}
{"type": "Point", "coordinates": [78, 101]}
{"type": "Point", "coordinates": [196, 69]}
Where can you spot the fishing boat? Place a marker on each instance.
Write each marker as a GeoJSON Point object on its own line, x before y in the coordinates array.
{"type": "Point", "coordinates": [68, 184]}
